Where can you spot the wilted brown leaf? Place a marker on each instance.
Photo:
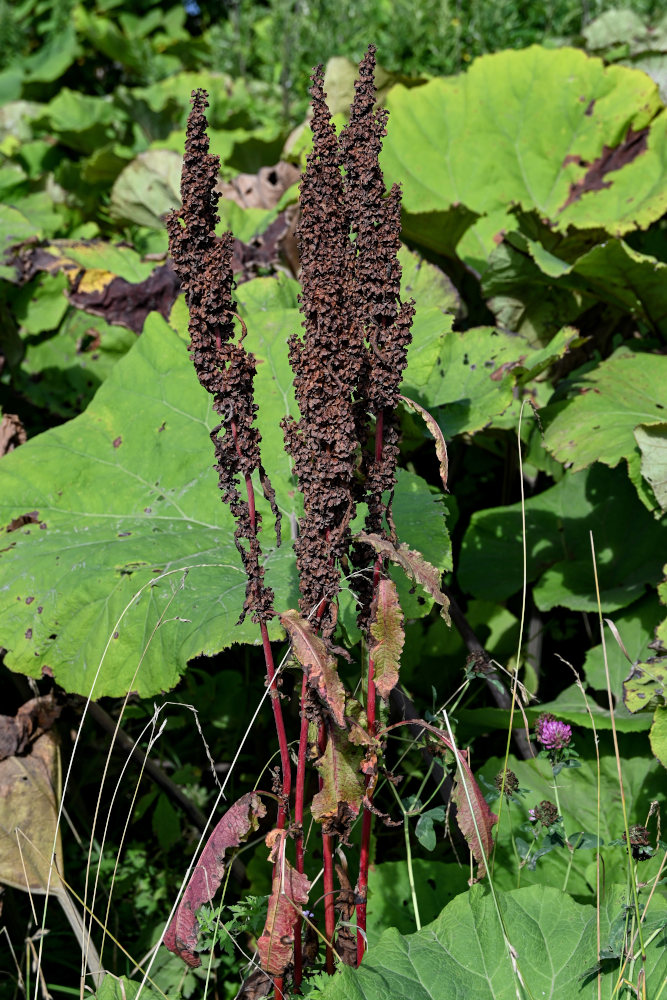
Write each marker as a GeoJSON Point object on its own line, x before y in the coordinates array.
{"type": "Point", "coordinates": [289, 891]}
{"type": "Point", "coordinates": [33, 719]}
{"type": "Point", "coordinates": [320, 666]}
{"type": "Point", "coordinates": [238, 822]}
{"type": "Point", "coordinates": [440, 444]}
{"type": "Point", "coordinates": [414, 564]}
{"type": "Point", "coordinates": [12, 433]}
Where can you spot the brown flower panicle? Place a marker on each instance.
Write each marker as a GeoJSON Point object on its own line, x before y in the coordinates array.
{"type": "Point", "coordinates": [225, 369]}
{"type": "Point", "coordinates": [349, 364]}
{"type": "Point", "coordinates": [323, 443]}
{"type": "Point", "coordinates": [375, 222]}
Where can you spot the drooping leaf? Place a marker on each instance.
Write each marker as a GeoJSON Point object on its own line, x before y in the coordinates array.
{"type": "Point", "coordinates": [289, 892]}
{"type": "Point", "coordinates": [413, 564]}
{"type": "Point", "coordinates": [30, 788]}
{"type": "Point", "coordinates": [343, 788]}
{"type": "Point", "coordinates": [387, 630]}
{"type": "Point", "coordinates": [440, 445]}
{"type": "Point", "coordinates": [232, 829]}
{"type": "Point", "coordinates": [629, 544]}
{"type": "Point", "coordinates": [319, 665]}
{"type": "Point", "coordinates": [652, 442]}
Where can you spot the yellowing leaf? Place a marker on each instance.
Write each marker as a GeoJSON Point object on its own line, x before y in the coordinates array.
{"type": "Point", "coordinates": [387, 629]}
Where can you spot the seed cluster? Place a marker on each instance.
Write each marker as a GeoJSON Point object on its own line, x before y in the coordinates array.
{"type": "Point", "coordinates": [225, 369]}
{"type": "Point", "coordinates": [349, 364]}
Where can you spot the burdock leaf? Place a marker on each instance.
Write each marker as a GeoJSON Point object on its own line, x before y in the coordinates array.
{"type": "Point", "coordinates": [412, 563]}
{"type": "Point", "coordinates": [387, 630]}
{"type": "Point", "coordinates": [238, 822]}
{"type": "Point", "coordinates": [342, 781]}
{"type": "Point", "coordinates": [320, 666]}
{"type": "Point", "coordinates": [289, 891]}
{"type": "Point", "coordinates": [440, 445]}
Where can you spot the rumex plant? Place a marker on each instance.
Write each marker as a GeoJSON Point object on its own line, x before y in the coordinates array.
{"type": "Point", "coordinates": [347, 367]}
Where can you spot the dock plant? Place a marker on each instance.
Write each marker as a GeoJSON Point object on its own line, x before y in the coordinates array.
{"type": "Point", "coordinates": [347, 366]}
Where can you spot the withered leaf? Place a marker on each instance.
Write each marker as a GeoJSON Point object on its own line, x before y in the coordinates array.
{"type": "Point", "coordinates": [475, 823]}
{"type": "Point", "coordinates": [12, 433]}
{"type": "Point", "coordinates": [289, 891]}
{"type": "Point", "coordinates": [440, 444]}
{"type": "Point", "coordinates": [478, 828]}
{"type": "Point", "coordinates": [238, 822]}
{"type": "Point", "coordinates": [320, 666]}
{"type": "Point", "coordinates": [387, 630]}
{"type": "Point", "coordinates": [343, 786]}
{"type": "Point", "coordinates": [33, 718]}
{"type": "Point", "coordinates": [412, 563]}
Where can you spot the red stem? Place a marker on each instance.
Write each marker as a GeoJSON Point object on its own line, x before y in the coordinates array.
{"type": "Point", "coordinates": [371, 698]}
{"type": "Point", "coordinates": [298, 822]}
{"type": "Point", "coordinates": [329, 887]}
{"type": "Point", "coordinates": [270, 667]}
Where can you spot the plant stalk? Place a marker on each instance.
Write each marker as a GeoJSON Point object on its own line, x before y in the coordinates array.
{"type": "Point", "coordinates": [371, 698]}
{"type": "Point", "coordinates": [270, 666]}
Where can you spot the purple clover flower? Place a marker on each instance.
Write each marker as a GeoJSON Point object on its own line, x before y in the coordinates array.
{"type": "Point", "coordinates": [551, 733]}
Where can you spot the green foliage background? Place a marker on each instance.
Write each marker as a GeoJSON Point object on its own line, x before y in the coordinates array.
{"type": "Point", "coordinates": [534, 200]}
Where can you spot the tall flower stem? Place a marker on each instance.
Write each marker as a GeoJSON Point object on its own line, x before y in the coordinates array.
{"type": "Point", "coordinates": [298, 822]}
{"type": "Point", "coordinates": [328, 864]}
{"type": "Point", "coordinates": [270, 666]}
{"type": "Point", "coordinates": [371, 699]}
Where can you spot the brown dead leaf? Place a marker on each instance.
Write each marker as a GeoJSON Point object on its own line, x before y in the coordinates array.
{"type": "Point", "coordinates": [12, 433]}
{"type": "Point", "coordinates": [413, 564]}
{"type": "Point", "coordinates": [233, 828]}
{"type": "Point", "coordinates": [33, 719]}
{"type": "Point", "coordinates": [289, 892]}
{"type": "Point", "coordinates": [440, 444]}
{"type": "Point", "coordinates": [263, 189]}
{"type": "Point", "coordinates": [29, 799]}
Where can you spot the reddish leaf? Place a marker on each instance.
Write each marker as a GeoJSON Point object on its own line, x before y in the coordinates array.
{"type": "Point", "coordinates": [343, 786]}
{"type": "Point", "coordinates": [289, 891]}
{"type": "Point", "coordinates": [440, 445]}
{"type": "Point", "coordinates": [413, 564]}
{"type": "Point", "coordinates": [483, 817]}
{"type": "Point", "coordinates": [477, 823]}
{"type": "Point", "coordinates": [240, 820]}
{"type": "Point", "coordinates": [320, 666]}
{"type": "Point", "coordinates": [387, 630]}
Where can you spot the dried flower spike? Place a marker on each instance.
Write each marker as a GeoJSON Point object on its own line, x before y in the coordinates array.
{"type": "Point", "coordinates": [225, 369]}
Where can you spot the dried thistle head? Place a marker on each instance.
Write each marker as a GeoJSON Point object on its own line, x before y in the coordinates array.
{"type": "Point", "coordinates": [225, 369]}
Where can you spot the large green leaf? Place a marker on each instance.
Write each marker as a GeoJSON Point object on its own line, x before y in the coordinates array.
{"type": "Point", "coordinates": [629, 543]}
{"type": "Point", "coordinates": [390, 896]}
{"type": "Point", "coordinates": [123, 501]}
{"type": "Point", "coordinates": [464, 953]}
{"type": "Point", "coordinates": [642, 782]}
{"type": "Point", "coordinates": [598, 423]}
{"type": "Point", "coordinates": [148, 188]}
{"type": "Point", "coordinates": [479, 140]}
